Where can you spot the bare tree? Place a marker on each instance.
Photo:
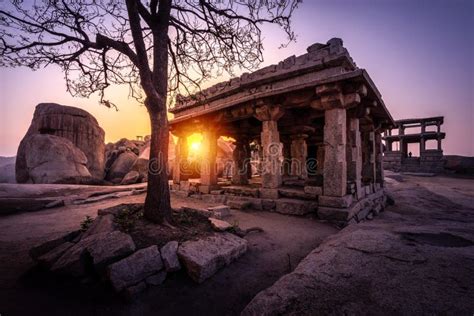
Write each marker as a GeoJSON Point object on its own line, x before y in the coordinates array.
{"type": "Point", "coordinates": [156, 47]}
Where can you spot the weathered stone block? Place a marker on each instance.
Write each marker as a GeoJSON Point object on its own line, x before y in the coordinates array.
{"type": "Point", "coordinates": [169, 255]}
{"type": "Point", "coordinates": [294, 207]}
{"type": "Point", "coordinates": [110, 247]}
{"type": "Point", "coordinates": [313, 191]}
{"type": "Point", "coordinates": [182, 194]}
{"type": "Point", "coordinates": [268, 204]}
{"type": "Point", "coordinates": [238, 203]}
{"type": "Point", "coordinates": [135, 268]}
{"type": "Point", "coordinates": [201, 211]}
{"type": "Point", "coordinates": [202, 258]}
{"type": "Point", "coordinates": [103, 248]}
{"type": "Point", "coordinates": [219, 225]}
{"type": "Point", "coordinates": [133, 291]}
{"type": "Point", "coordinates": [157, 278]}
{"type": "Point", "coordinates": [213, 198]}
{"type": "Point", "coordinates": [269, 193]}
{"type": "Point", "coordinates": [220, 211]}
{"type": "Point", "coordinates": [102, 224]}
{"type": "Point", "coordinates": [49, 258]}
{"type": "Point", "coordinates": [333, 201]}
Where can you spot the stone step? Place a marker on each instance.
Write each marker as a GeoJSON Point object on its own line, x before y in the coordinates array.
{"type": "Point", "coordinates": [241, 191]}
{"type": "Point", "coordinates": [295, 206]}
{"type": "Point", "coordinates": [294, 193]}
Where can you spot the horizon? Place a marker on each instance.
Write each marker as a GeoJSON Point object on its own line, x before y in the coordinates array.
{"type": "Point", "coordinates": [429, 73]}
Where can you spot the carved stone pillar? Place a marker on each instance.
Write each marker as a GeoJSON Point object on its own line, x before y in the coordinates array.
{"type": "Point", "coordinates": [335, 164]}
{"type": "Point", "coordinates": [208, 162]}
{"type": "Point", "coordinates": [239, 171]}
{"type": "Point", "coordinates": [271, 146]}
{"type": "Point", "coordinates": [354, 154]}
{"type": "Point", "coordinates": [180, 160]}
{"type": "Point", "coordinates": [299, 153]}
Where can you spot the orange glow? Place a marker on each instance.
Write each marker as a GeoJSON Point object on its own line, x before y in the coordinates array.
{"type": "Point", "coordinates": [194, 143]}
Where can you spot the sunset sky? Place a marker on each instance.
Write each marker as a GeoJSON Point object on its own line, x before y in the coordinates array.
{"type": "Point", "coordinates": [419, 54]}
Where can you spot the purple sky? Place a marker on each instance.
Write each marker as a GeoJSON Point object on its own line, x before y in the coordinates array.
{"type": "Point", "coordinates": [419, 54]}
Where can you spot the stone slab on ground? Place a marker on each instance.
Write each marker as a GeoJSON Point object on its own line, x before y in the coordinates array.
{"type": "Point", "coordinates": [135, 268]}
{"type": "Point", "coordinates": [104, 248]}
{"type": "Point", "coordinates": [239, 203]}
{"type": "Point", "coordinates": [203, 258]}
{"type": "Point", "coordinates": [415, 258]}
{"type": "Point", "coordinates": [295, 207]}
{"type": "Point", "coordinates": [219, 225]}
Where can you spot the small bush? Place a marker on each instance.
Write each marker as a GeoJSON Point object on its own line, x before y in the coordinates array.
{"type": "Point", "coordinates": [86, 223]}
{"type": "Point", "coordinates": [127, 219]}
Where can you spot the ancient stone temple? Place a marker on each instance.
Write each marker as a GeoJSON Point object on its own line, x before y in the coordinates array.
{"type": "Point", "coordinates": [313, 121]}
{"type": "Point", "coordinates": [398, 157]}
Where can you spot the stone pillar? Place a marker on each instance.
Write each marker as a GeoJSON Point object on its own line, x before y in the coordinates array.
{"type": "Point", "coordinates": [439, 144]}
{"type": "Point", "coordinates": [422, 145]}
{"type": "Point", "coordinates": [299, 153]}
{"type": "Point", "coordinates": [354, 154]}
{"type": "Point", "coordinates": [373, 156]}
{"type": "Point", "coordinates": [335, 165]}
{"type": "Point", "coordinates": [208, 162]}
{"type": "Point", "coordinates": [271, 146]}
{"type": "Point", "coordinates": [379, 175]}
{"type": "Point", "coordinates": [180, 160]}
{"type": "Point", "coordinates": [239, 170]}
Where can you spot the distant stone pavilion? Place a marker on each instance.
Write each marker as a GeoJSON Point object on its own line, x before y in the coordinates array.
{"type": "Point", "coordinates": [315, 123]}
{"type": "Point", "coordinates": [399, 158]}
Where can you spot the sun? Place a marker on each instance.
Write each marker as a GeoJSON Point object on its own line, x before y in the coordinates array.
{"type": "Point", "coordinates": [195, 146]}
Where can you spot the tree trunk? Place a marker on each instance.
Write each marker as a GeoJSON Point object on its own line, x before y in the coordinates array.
{"type": "Point", "coordinates": [157, 202]}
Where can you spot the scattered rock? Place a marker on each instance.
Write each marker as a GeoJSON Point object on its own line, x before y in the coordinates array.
{"type": "Point", "coordinates": [220, 211]}
{"type": "Point", "coordinates": [219, 225]}
{"type": "Point", "coordinates": [202, 258]}
{"type": "Point", "coordinates": [110, 247]}
{"type": "Point", "coordinates": [49, 245]}
{"type": "Point", "coordinates": [135, 268]}
{"type": "Point", "coordinates": [170, 256]}
{"type": "Point", "coordinates": [49, 258]}
{"type": "Point", "coordinates": [156, 279]}
{"type": "Point", "coordinates": [102, 224]}
{"type": "Point", "coordinates": [102, 248]}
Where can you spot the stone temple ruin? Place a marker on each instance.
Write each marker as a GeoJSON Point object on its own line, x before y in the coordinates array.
{"type": "Point", "coordinates": [398, 157]}
{"type": "Point", "coordinates": [315, 123]}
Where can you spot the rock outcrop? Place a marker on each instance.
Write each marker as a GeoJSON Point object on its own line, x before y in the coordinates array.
{"type": "Point", "coordinates": [53, 159]}
{"type": "Point", "coordinates": [70, 123]}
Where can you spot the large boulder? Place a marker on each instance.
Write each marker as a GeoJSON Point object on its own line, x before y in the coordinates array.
{"type": "Point", "coordinates": [52, 159]}
{"type": "Point", "coordinates": [76, 125]}
{"type": "Point", "coordinates": [122, 165]}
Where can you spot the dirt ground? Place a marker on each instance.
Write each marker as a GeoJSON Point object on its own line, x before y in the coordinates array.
{"type": "Point", "coordinates": [285, 241]}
